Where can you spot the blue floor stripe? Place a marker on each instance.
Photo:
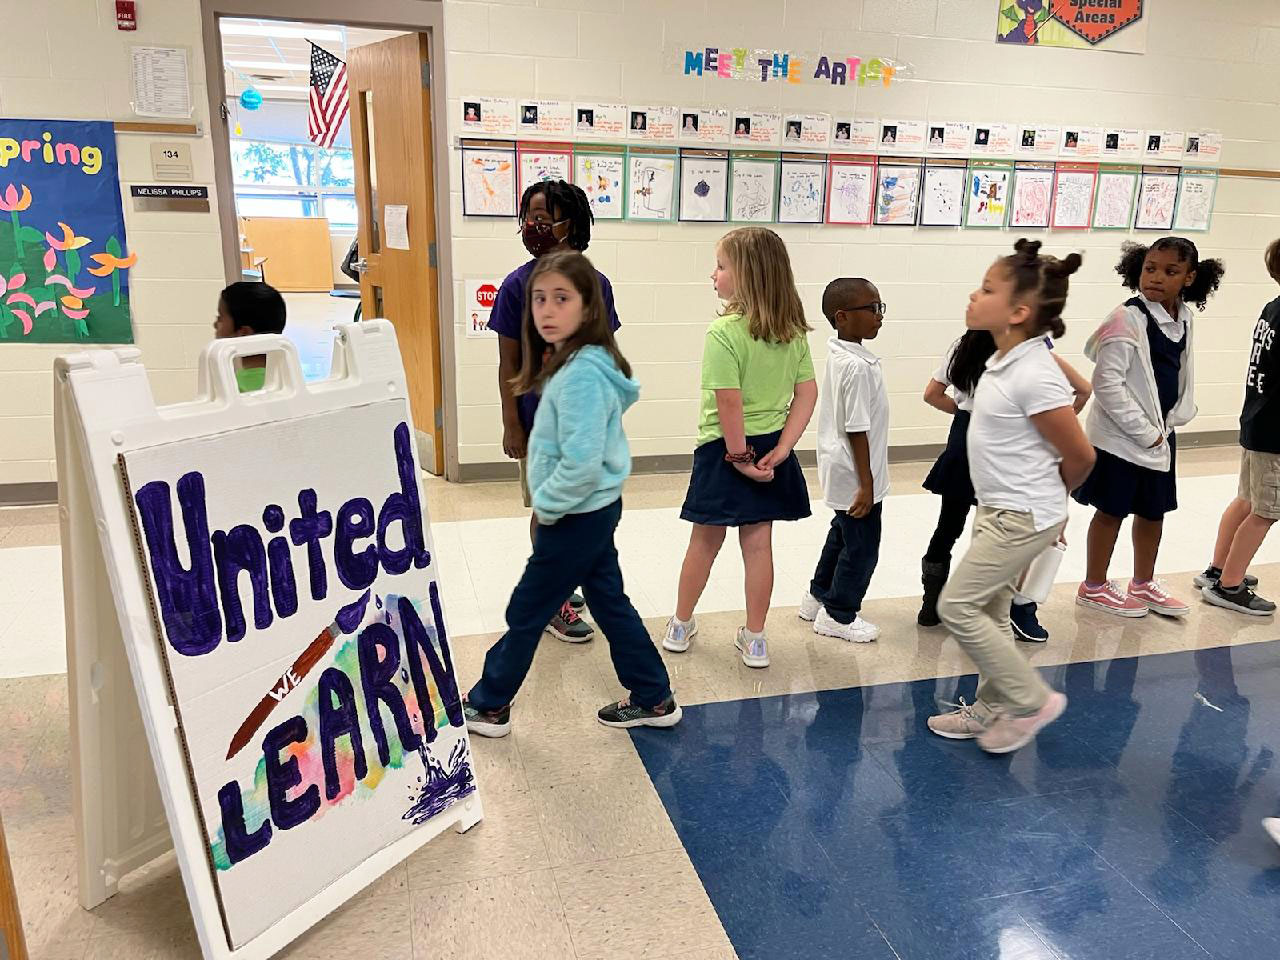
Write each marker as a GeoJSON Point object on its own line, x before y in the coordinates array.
{"type": "Point", "coordinates": [832, 824]}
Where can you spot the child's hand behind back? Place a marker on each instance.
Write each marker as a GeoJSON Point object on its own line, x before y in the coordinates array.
{"type": "Point", "coordinates": [754, 472]}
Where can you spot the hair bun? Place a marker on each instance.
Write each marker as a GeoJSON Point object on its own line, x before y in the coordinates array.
{"type": "Point", "coordinates": [1030, 249]}
{"type": "Point", "coordinates": [1066, 266]}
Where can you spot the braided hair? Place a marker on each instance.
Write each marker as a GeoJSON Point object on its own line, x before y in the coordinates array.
{"type": "Point", "coordinates": [565, 201]}
{"type": "Point", "coordinates": [1042, 279]}
{"type": "Point", "coordinates": [1208, 272]}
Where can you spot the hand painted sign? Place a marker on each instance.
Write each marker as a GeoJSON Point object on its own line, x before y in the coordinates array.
{"type": "Point", "coordinates": [64, 266]}
{"type": "Point", "coordinates": [306, 648]}
{"type": "Point", "coordinates": [1115, 25]}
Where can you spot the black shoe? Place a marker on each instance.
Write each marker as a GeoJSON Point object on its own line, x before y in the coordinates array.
{"type": "Point", "coordinates": [933, 578]}
{"type": "Point", "coordinates": [624, 713]}
{"type": "Point", "coordinates": [1212, 574]}
{"type": "Point", "coordinates": [487, 723]}
{"type": "Point", "coordinates": [1242, 600]}
{"type": "Point", "coordinates": [577, 603]}
{"type": "Point", "coordinates": [1022, 617]}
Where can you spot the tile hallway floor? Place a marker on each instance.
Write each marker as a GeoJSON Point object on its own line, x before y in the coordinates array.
{"type": "Point", "coordinates": [580, 856]}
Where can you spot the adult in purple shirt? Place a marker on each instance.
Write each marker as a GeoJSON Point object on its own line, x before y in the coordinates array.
{"type": "Point", "coordinates": [554, 215]}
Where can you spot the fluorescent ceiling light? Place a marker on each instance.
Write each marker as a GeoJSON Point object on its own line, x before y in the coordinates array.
{"type": "Point", "coordinates": [267, 65]}
{"type": "Point", "coordinates": [283, 33]}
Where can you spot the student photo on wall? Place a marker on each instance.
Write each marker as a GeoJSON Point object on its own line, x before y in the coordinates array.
{"type": "Point", "coordinates": [529, 115]}
{"type": "Point", "coordinates": [742, 127]}
{"type": "Point", "coordinates": [1073, 140]}
{"type": "Point", "coordinates": [935, 137]}
{"type": "Point", "coordinates": [1113, 141]}
{"type": "Point", "coordinates": [1153, 143]}
{"type": "Point", "coordinates": [889, 133]}
{"type": "Point", "coordinates": [1193, 144]}
{"type": "Point", "coordinates": [1028, 138]}
{"type": "Point", "coordinates": [586, 119]}
{"type": "Point", "coordinates": [639, 120]}
{"type": "Point", "coordinates": [842, 131]}
{"type": "Point", "coordinates": [471, 111]}
{"type": "Point", "coordinates": [981, 137]}
{"type": "Point", "coordinates": [793, 129]}
{"type": "Point", "coordinates": [689, 123]}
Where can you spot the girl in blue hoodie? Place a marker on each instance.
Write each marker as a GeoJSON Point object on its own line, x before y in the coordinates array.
{"type": "Point", "coordinates": [578, 459]}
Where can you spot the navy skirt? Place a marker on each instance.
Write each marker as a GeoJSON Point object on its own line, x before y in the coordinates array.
{"type": "Point", "coordinates": [949, 477]}
{"type": "Point", "coordinates": [719, 496]}
{"type": "Point", "coordinates": [1121, 488]}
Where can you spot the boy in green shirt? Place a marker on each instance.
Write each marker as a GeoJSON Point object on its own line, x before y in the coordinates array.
{"type": "Point", "coordinates": [244, 309]}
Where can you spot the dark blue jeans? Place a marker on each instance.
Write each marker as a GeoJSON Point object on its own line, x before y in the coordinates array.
{"type": "Point", "coordinates": [848, 559]}
{"type": "Point", "coordinates": [577, 550]}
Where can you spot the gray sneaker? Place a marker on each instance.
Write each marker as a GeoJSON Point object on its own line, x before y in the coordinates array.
{"type": "Point", "coordinates": [1241, 600]}
{"type": "Point", "coordinates": [1212, 574]}
{"type": "Point", "coordinates": [569, 627]}
{"type": "Point", "coordinates": [677, 636]}
{"type": "Point", "coordinates": [960, 724]}
{"type": "Point", "coordinates": [755, 653]}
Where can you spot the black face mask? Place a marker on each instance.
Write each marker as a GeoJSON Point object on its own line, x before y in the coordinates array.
{"type": "Point", "coordinates": [539, 238]}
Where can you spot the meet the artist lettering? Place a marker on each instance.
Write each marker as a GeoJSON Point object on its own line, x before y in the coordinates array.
{"type": "Point", "coordinates": [200, 601]}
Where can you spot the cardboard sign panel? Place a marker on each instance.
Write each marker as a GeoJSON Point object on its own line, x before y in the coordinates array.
{"type": "Point", "coordinates": [292, 585]}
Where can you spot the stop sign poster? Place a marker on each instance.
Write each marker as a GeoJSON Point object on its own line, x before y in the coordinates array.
{"type": "Point", "coordinates": [477, 305]}
{"type": "Point", "coordinates": [1115, 25]}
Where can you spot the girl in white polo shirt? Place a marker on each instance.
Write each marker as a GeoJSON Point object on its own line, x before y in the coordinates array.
{"type": "Point", "coordinates": [1026, 450]}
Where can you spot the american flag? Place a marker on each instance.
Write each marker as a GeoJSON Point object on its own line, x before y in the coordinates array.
{"type": "Point", "coordinates": [328, 99]}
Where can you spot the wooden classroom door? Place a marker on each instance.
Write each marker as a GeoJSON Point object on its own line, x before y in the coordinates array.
{"type": "Point", "coordinates": [390, 93]}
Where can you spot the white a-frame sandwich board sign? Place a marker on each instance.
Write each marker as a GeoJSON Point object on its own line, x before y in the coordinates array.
{"type": "Point", "coordinates": [259, 569]}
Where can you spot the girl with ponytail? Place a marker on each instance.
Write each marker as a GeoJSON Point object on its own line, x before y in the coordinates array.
{"type": "Point", "coordinates": [1026, 451]}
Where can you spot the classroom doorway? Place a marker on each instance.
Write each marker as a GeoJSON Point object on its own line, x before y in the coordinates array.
{"type": "Point", "coordinates": [344, 223]}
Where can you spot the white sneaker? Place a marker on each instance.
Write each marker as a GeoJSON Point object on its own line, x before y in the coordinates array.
{"type": "Point", "coordinates": [678, 636]}
{"type": "Point", "coordinates": [1272, 826]}
{"type": "Point", "coordinates": [860, 631]}
{"type": "Point", "coordinates": [755, 653]}
{"type": "Point", "coordinates": [809, 607]}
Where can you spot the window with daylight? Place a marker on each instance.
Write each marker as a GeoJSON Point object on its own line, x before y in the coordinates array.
{"type": "Point", "coordinates": [276, 179]}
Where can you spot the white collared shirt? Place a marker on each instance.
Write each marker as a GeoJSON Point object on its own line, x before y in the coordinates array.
{"type": "Point", "coordinates": [1175, 328]}
{"type": "Point", "coordinates": [1011, 464]}
{"type": "Point", "coordinates": [853, 399]}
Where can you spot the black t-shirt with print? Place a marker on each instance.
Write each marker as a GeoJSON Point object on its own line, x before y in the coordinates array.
{"type": "Point", "coordinates": [1260, 418]}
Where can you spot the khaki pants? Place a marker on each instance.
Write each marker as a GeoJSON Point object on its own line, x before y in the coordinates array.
{"type": "Point", "coordinates": [974, 607]}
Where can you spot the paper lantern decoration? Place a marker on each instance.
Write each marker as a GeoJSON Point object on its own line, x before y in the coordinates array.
{"type": "Point", "coordinates": [251, 99]}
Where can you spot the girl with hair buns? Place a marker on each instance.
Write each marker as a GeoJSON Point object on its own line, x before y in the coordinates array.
{"type": "Point", "coordinates": [1026, 450]}
{"type": "Point", "coordinates": [1143, 387]}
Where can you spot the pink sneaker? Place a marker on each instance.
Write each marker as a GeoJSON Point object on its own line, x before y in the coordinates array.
{"type": "Point", "coordinates": [1007, 734]}
{"type": "Point", "coordinates": [1109, 598]}
{"type": "Point", "coordinates": [1153, 596]}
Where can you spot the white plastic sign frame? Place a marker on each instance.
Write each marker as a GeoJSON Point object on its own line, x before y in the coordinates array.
{"type": "Point", "coordinates": [105, 409]}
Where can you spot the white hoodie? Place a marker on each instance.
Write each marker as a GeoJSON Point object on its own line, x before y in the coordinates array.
{"type": "Point", "coordinates": [1125, 416]}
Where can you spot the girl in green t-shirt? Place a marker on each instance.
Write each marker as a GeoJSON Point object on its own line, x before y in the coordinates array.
{"type": "Point", "coordinates": [758, 393]}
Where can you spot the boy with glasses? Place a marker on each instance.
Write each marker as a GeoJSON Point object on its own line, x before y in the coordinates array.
{"type": "Point", "coordinates": [853, 462]}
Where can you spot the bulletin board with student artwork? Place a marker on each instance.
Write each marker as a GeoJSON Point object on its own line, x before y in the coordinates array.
{"type": "Point", "coordinates": [1113, 203]}
{"type": "Point", "coordinates": [1195, 200]}
{"type": "Point", "coordinates": [65, 261]}
{"type": "Point", "coordinates": [704, 186]}
{"type": "Point", "coordinates": [627, 179]}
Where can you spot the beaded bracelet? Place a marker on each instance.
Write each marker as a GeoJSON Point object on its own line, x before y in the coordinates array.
{"type": "Point", "coordinates": [746, 456]}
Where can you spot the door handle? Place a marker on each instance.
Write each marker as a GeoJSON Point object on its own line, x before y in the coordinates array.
{"type": "Point", "coordinates": [361, 265]}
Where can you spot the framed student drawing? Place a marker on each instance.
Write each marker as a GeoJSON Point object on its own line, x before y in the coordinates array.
{"type": "Point", "coordinates": [942, 196]}
{"type": "Point", "coordinates": [1032, 197]}
{"type": "Point", "coordinates": [851, 188]}
{"type": "Point", "coordinates": [987, 200]}
{"type": "Point", "coordinates": [651, 186]}
{"type": "Point", "coordinates": [1113, 203]}
{"type": "Point", "coordinates": [753, 190]}
{"type": "Point", "coordinates": [1157, 198]}
{"type": "Point", "coordinates": [539, 164]}
{"type": "Point", "coordinates": [1073, 196]}
{"type": "Point", "coordinates": [704, 187]}
{"type": "Point", "coordinates": [897, 194]}
{"type": "Point", "coordinates": [488, 182]}
{"type": "Point", "coordinates": [1195, 200]}
{"type": "Point", "coordinates": [601, 177]}
{"type": "Point", "coordinates": [800, 191]}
